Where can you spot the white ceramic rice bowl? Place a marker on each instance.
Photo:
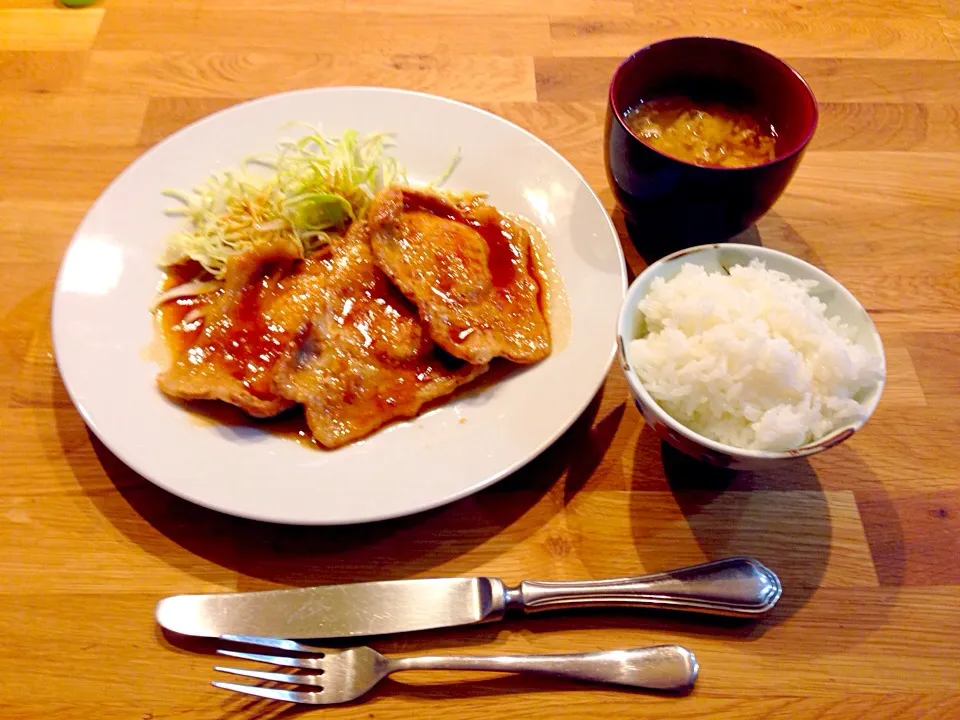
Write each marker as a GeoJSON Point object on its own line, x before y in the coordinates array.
{"type": "Point", "coordinates": [713, 258]}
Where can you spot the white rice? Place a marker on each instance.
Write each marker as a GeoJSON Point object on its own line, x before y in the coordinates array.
{"type": "Point", "coordinates": [750, 359]}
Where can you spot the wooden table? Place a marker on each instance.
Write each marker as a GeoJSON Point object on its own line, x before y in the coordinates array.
{"type": "Point", "coordinates": [864, 537]}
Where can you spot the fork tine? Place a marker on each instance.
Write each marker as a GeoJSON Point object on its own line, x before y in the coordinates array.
{"type": "Point", "coordinates": [310, 663]}
{"type": "Point", "coordinates": [312, 697]}
{"type": "Point", "coordinates": [315, 680]}
{"type": "Point", "coordinates": [273, 642]}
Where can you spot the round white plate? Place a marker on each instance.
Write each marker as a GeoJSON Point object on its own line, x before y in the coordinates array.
{"type": "Point", "coordinates": [102, 326]}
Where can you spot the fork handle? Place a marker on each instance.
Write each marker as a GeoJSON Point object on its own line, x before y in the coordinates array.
{"type": "Point", "coordinates": [662, 667]}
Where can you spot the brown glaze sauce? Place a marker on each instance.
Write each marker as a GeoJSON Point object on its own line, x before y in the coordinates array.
{"type": "Point", "coordinates": [552, 297]}
{"type": "Point", "coordinates": [249, 346]}
{"type": "Point", "coordinates": [253, 345]}
{"type": "Point", "coordinates": [500, 257]}
{"type": "Point", "coordinates": [289, 424]}
{"type": "Point", "coordinates": [177, 334]}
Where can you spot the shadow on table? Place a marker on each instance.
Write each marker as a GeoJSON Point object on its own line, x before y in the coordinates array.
{"type": "Point", "coordinates": [683, 512]}
{"type": "Point", "coordinates": [202, 542]}
{"type": "Point", "coordinates": [305, 555]}
{"type": "Point", "coordinates": [782, 517]}
{"type": "Point", "coordinates": [772, 230]}
{"type": "Point", "coordinates": [640, 248]}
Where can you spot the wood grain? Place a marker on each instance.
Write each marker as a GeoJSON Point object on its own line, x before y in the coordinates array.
{"type": "Point", "coordinates": [40, 72]}
{"type": "Point", "coordinates": [866, 537]}
{"type": "Point", "coordinates": [51, 29]}
{"type": "Point", "coordinates": [951, 29]}
{"type": "Point", "coordinates": [150, 28]}
{"type": "Point", "coordinates": [889, 126]}
{"type": "Point", "coordinates": [913, 38]}
{"type": "Point", "coordinates": [68, 121]}
{"type": "Point", "coordinates": [838, 80]}
{"type": "Point", "coordinates": [813, 9]}
{"type": "Point", "coordinates": [249, 74]}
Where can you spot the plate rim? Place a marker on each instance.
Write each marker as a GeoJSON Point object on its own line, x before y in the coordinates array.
{"type": "Point", "coordinates": [528, 457]}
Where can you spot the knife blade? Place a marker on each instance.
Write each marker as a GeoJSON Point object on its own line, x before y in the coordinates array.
{"type": "Point", "coordinates": [738, 587]}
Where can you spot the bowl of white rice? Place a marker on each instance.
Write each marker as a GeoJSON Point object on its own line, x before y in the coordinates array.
{"type": "Point", "coordinates": [744, 356]}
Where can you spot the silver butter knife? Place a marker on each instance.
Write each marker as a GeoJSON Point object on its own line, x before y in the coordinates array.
{"type": "Point", "coordinates": [735, 587]}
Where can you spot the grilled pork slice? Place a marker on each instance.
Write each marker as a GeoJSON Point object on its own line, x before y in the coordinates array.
{"type": "Point", "coordinates": [259, 319]}
{"type": "Point", "coordinates": [367, 359]}
{"type": "Point", "coordinates": [469, 271]}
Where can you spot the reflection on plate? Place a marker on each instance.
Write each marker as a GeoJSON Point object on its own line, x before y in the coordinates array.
{"type": "Point", "coordinates": [102, 325]}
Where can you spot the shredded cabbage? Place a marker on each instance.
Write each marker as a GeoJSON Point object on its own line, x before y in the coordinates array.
{"type": "Point", "coordinates": [310, 187]}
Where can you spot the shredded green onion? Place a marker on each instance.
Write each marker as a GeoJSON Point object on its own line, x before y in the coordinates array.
{"type": "Point", "coordinates": [454, 161]}
{"type": "Point", "coordinates": [309, 188]}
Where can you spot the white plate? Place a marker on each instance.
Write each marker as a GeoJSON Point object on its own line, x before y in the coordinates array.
{"type": "Point", "coordinates": [102, 327]}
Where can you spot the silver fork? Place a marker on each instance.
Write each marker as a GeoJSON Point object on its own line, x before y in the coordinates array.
{"type": "Point", "coordinates": [346, 674]}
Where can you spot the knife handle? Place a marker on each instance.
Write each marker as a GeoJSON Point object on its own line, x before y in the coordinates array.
{"type": "Point", "coordinates": [733, 587]}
